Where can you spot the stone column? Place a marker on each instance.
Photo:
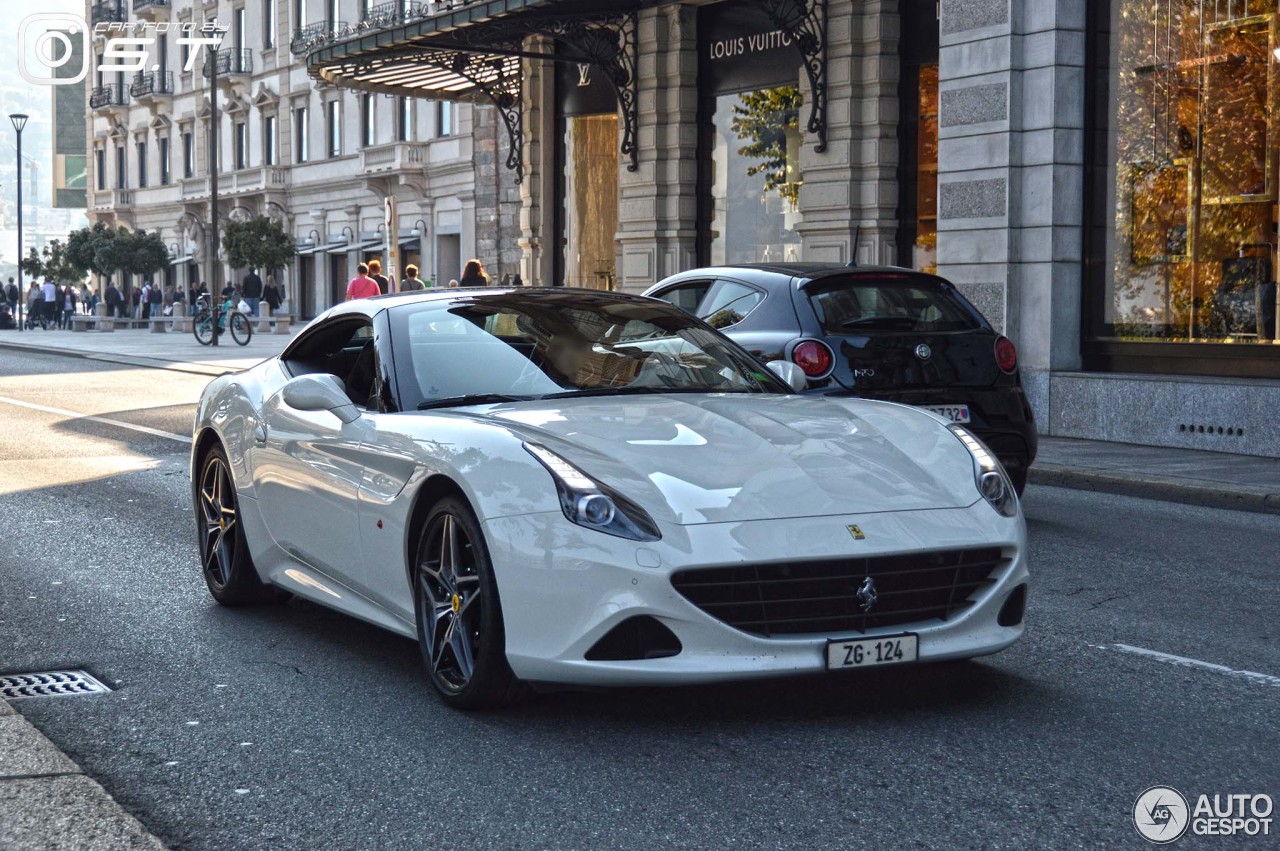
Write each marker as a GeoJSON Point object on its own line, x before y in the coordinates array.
{"type": "Point", "coordinates": [850, 191]}
{"type": "Point", "coordinates": [1010, 173]}
{"type": "Point", "coordinates": [658, 204]}
{"type": "Point", "coordinates": [537, 191]}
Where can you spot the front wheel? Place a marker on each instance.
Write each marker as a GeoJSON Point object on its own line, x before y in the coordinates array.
{"type": "Point", "coordinates": [459, 616]}
{"type": "Point", "coordinates": [240, 330]}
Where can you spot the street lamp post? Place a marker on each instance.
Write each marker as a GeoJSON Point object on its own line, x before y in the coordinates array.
{"type": "Point", "coordinates": [19, 122]}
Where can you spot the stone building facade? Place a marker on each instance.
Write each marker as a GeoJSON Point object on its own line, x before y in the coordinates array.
{"type": "Point", "coordinates": [1100, 177]}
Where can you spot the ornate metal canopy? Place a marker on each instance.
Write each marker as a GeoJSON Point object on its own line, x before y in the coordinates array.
{"type": "Point", "coordinates": [473, 50]}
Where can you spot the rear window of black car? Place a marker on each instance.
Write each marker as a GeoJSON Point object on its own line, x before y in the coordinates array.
{"type": "Point", "coordinates": [867, 303]}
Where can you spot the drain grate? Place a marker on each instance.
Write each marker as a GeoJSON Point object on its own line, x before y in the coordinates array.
{"type": "Point", "coordinates": [49, 684]}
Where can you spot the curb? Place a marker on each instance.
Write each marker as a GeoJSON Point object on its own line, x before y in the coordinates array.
{"type": "Point", "coordinates": [1147, 486]}
{"type": "Point", "coordinates": [126, 360]}
{"type": "Point", "coordinates": [48, 802]}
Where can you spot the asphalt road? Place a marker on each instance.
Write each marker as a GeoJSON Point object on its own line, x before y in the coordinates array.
{"type": "Point", "coordinates": [293, 727]}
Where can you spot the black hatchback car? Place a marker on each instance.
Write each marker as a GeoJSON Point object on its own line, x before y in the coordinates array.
{"type": "Point", "coordinates": [879, 332]}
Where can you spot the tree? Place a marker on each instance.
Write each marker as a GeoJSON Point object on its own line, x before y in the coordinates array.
{"type": "Point", "coordinates": [258, 243]}
{"type": "Point", "coordinates": [145, 253]}
{"type": "Point", "coordinates": [764, 119]}
{"type": "Point", "coordinates": [53, 261]}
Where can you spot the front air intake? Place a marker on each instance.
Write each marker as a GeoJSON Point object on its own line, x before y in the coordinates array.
{"type": "Point", "coordinates": [639, 637]}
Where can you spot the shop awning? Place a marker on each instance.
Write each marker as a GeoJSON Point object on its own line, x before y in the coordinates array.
{"type": "Point", "coordinates": [319, 248]}
{"type": "Point", "coordinates": [178, 261]}
{"type": "Point", "coordinates": [474, 50]}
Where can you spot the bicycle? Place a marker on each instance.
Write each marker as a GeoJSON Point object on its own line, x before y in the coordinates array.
{"type": "Point", "coordinates": [214, 320]}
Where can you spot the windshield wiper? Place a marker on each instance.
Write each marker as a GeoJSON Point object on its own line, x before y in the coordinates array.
{"type": "Point", "coordinates": [900, 322]}
{"type": "Point", "coordinates": [634, 391]}
{"type": "Point", "coordinates": [470, 399]}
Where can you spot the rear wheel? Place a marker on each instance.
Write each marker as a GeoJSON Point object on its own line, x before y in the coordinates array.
{"type": "Point", "coordinates": [459, 616]}
{"type": "Point", "coordinates": [202, 327]}
{"type": "Point", "coordinates": [224, 553]}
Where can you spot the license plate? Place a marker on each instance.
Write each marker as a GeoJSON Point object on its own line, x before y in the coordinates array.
{"type": "Point", "coordinates": [955, 413]}
{"type": "Point", "coordinates": [870, 652]}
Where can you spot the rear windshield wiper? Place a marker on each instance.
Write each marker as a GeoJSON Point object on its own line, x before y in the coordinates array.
{"type": "Point", "coordinates": [471, 399]}
{"type": "Point", "coordinates": [900, 322]}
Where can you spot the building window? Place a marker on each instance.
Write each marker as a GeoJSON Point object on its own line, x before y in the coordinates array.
{"type": "Point", "coordinates": [404, 120]}
{"type": "Point", "coordinates": [100, 166]}
{"type": "Point", "coordinates": [301, 148]}
{"type": "Point", "coordinates": [237, 29]}
{"type": "Point", "coordinates": [268, 24]}
{"type": "Point", "coordinates": [334, 14]}
{"type": "Point", "coordinates": [367, 132]}
{"type": "Point", "coordinates": [299, 13]}
{"type": "Point", "coordinates": [269, 139]}
{"type": "Point", "coordinates": [142, 165]}
{"type": "Point", "coordinates": [242, 144]}
{"type": "Point", "coordinates": [1184, 243]}
{"type": "Point", "coordinates": [164, 160]}
{"type": "Point", "coordinates": [366, 7]}
{"type": "Point", "coordinates": [188, 154]}
{"type": "Point", "coordinates": [444, 118]}
{"type": "Point", "coordinates": [121, 175]}
{"type": "Point", "coordinates": [186, 56]}
{"type": "Point", "coordinates": [333, 130]}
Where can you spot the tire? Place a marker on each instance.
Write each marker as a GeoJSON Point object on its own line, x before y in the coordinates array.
{"type": "Point", "coordinates": [224, 553]}
{"type": "Point", "coordinates": [1018, 476]}
{"type": "Point", "coordinates": [463, 650]}
{"type": "Point", "coordinates": [240, 330]}
{"type": "Point", "coordinates": [202, 327]}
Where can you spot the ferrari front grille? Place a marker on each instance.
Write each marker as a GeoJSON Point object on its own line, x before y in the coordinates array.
{"type": "Point", "coordinates": [814, 597]}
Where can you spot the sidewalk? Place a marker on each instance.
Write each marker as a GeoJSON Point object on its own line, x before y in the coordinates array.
{"type": "Point", "coordinates": [1218, 480]}
{"type": "Point", "coordinates": [141, 347]}
{"type": "Point", "coordinates": [46, 801]}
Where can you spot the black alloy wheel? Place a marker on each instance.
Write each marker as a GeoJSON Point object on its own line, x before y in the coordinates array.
{"type": "Point", "coordinates": [224, 554]}
{"type": "Point", "coordinates": [459, 616]}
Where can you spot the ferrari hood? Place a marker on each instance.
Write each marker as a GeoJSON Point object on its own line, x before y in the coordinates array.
{"type": "Point", "coordinates": [721, 458]}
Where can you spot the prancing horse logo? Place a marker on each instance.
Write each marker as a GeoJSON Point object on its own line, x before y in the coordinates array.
{"type": "Point", "coordinates": [867, 594]}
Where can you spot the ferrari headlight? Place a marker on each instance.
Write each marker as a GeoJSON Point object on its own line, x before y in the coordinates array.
{"type": "Point", "coordinates": [989, 475]}
{"type": "Point", "coordinates": [592, 504]}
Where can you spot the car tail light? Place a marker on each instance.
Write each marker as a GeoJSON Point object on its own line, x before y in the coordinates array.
{"type": "Point", "coordinates": [1006, 355]}
{"type": "Point", "coordinates": [813, 357]}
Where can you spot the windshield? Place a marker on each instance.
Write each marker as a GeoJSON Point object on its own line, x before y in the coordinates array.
{"type": "Point", "coordinates": [534, 345]}
{"type": "Point", "coordinates": [858, 305]}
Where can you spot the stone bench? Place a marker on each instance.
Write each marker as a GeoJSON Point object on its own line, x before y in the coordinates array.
{"type": "Point", "coordinates": [81, 323]}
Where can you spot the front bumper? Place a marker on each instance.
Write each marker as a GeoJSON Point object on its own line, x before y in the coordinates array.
{"type": "Point", "coordinates": [563, 587]}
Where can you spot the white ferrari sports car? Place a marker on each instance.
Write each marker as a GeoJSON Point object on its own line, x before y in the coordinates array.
{"type": "Point", "coordinates": [570, 486]}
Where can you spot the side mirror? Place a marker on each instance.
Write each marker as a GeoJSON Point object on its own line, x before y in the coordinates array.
{"type": "Point", "coordinates": [320, 392]}
{"type": "Point", "coordinates": [791, 374]}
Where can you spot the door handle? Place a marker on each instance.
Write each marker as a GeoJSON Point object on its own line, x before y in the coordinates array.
{"type": "Point", "coordinates": [260, 434]}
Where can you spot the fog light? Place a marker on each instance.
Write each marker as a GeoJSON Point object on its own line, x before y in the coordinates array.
{"type": "Point", "coordinates": [1014, 608]}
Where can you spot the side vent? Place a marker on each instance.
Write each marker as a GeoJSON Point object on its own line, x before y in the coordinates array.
{"type": "Point", "coordinates": [640, 637]}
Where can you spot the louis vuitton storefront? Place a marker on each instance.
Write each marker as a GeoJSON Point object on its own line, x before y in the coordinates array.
{"type": "Point", "coordinates": [1098, 176]}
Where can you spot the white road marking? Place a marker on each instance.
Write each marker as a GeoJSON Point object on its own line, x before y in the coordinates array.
{"type": "Point", "coordinates": [1169, 658]}
{"type": "Point", "coordinates": [59, 412]}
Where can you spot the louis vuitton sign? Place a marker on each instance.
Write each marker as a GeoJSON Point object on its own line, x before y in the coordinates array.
{"type": "Point", "coordinates": [740, 48]}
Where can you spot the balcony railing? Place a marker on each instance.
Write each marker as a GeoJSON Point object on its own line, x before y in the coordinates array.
{"type": "Point", "coordinates": [311, 35]}
{"type": "Point", "coordinates": [394, 12]}
{"type": "Point", "coordinates": [152, 84]}
{"type": "Point", "coordinates": [107, 12]}
{"type": "Point", "coordinates": [231, 63]}
{"type": "Point", "coordinates": [398, 156]}
{"type": "Point", "coordinates": [113, 94]}
{"type": "Point", "coordinates": [139, 5]}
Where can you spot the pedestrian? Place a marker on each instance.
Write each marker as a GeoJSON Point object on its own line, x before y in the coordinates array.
{"type": "Point", "coordinates": [506, 280]}
{"type": "Point", "coordinates": [473, 275]}
{"type": "Point", "coordinates": [453, 283]}
{"type": "Point", "coordinates": [271, 294]}
{"type": "Point", "coordinates": [362, 286]}
{"type": "Point", "coordinates": [517, 281]}
{"type": "Point", "coordinates": [35, 306]}
{"type": "Point", "coordinates": [375, 272]}
{"type": "Point", "coordinates": [146, 299]}
{"type": "Point", "coordinates": [411, 280]}
{"type": "Point", "coordinates": [49, 296]}
{"type": "Point", "coordinates": [156, 298]}
{"type": "Point", "coordinates": [112, 298]}
{"type": "Point", "coordinates": [251, 290]}
{"type": "Point", "coordinates": [69, 301]}
{"type": "Point", "coordinates": [12, 295]}
{"type": "Point", "coordinates": [91, 307]}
